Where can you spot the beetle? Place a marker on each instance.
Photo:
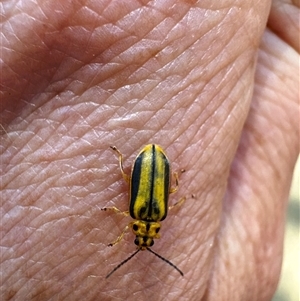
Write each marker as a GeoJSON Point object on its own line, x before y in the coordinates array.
{"type": "Point", "coordinates": [150, 186]}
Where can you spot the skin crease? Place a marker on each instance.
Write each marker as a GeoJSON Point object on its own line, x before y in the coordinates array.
{"type": "Point", "coordinates": [216, 85]}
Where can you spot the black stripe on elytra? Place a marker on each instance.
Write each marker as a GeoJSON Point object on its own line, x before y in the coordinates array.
{"type": "Point", "coordinates": [152, 180]}
{"type": "Point", "coordinates": [167, 186]}
{"type": "Point", "coordinates": [135, 181]}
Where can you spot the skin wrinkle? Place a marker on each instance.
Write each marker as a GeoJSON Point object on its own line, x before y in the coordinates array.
{"type": "Point", "coordinates": [129, 49]}
{"type": "Point", "coordinates": [31, 265]}
{"type": "Point", "coordinates": [18, 268]}
{"type": "Point", "coordinates": [271, 60]}
{"type": "Point", "coordinates": [13, 159]}
{"type": "Point", "coordinates": [250, 172]}
{"type": "Point", "coordinates": [44, 171]}
{"type": "Point", "coordinates": [228, 266]}
{"type": "Point", "coordinates": [207, 118]}
{"type": "Point", "coordinates": [39, 155]}
{"type": "Point", "coordinates": [66, 245]}
{"type": "Point", "coordinates": [276, 128]}
{"type": "Point", "coordinates": [290, 23]}
{"type": "Point", "coordinates": [271, 91]}
{"type": "Point", "coordinates": [18, 170]}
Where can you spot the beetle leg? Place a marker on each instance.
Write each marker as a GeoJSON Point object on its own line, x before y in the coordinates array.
{"type": "Point", "coordinates": [175, 176]}
{"type": "Point", "coordinates": [125, 176]}
{"type": "Point", "coordinates": [116, 210]}
{"type": "Point", "coordinates": [119, 238]}
{"type": "Point", "coordinates": [179, 203]}
{"type": "Point", "coordinates": [174, 189]}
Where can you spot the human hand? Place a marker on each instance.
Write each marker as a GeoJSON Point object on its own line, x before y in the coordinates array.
{"type": "Point", "coordinates": [77, 78]}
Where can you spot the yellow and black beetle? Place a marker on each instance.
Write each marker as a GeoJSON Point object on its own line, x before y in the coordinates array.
{"type": "Point", "coordinates": [150, 186]}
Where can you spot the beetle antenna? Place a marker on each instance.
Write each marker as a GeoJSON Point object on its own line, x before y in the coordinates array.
{"type": "Point", "coordinates": [166, 260]}
{"type": "Point", "coordinates": [123, 262]}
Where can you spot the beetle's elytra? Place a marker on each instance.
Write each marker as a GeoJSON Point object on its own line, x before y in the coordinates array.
{"type": "Point", "coordinates": [150, 186]}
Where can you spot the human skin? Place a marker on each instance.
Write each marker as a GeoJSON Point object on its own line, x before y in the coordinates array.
{"type": "Point", "coordinates": [214, 83]}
